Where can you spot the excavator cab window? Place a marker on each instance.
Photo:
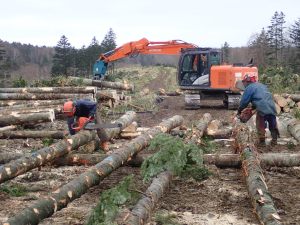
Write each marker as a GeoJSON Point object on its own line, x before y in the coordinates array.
{"type": "Point", "coordinates": [195, 69]}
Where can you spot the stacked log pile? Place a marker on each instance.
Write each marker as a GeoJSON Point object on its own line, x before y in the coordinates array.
{"type": "Point", "coordinates": [287, 102]}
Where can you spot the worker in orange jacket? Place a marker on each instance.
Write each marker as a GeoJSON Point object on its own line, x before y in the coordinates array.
{"type": "Point", "coordinates": [79, 113]}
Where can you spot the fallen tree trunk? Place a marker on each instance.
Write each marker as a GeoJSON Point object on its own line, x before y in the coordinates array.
{"type": "Point", "coordinates": [201, 128]}
{"type": "Point", "coordinates": [25, 104]}
{"type": "Point", "coordinates": [90, 160]}
{"type": "Point", "coordinates": [48, 154]}
{"type": "Point", "coordinates": [141, 212]}
{"type": "Point", "coordinates": [224, 133]}
{"type": "Point", "coordinates": [7, 128]}
{"type": "Point", "coordinates": [15, 119]}
{"type": "Point", "coordinates": [60, 198]}
{"type": "Point", "coordinates": [42, 96]}
{"type": "Point", "coordinates": [266, 159]}
{"type": "Point", "coordinates": [258, 190]}
{"type": "Point", "coordinates": [105, 84]}
{"type": "Point", "coordinates": [7, 157]}
{"type": "Point", "coordinates": [75, 90]}
{"type": "Point", "coordinates": [255, 181]}
{"type": "Point", "coordinates": [294, 128]}
{"type": "Point", "coordinates": [294, 97]}
{"type": "Point", "coordinates": [32, 134]}
{"type": "Point", "coordinates": [57, 110]}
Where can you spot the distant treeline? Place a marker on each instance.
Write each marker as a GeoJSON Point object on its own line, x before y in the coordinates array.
{"type": "Point", "coordinates": [276, 46]}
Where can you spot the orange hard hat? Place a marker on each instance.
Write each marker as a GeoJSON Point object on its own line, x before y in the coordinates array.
{"type": "Point", "coordinates": [249, 78]}
{"type": "Point", "coordinates": [69, 108]}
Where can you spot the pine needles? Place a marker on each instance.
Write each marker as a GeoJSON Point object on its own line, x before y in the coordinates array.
{"type": "Point", "coordinates": [185, 160]}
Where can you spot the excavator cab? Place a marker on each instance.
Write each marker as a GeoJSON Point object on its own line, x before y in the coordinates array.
{"type": "Point", "coordinates": [99, 69]}
{"type": "Point", "coordinates": [201, 76]}
{"type": "Point", "coordinates": [194, 67]}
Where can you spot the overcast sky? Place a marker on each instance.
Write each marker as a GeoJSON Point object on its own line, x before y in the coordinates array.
{"type": "Point", "coordinates": [206, 23]}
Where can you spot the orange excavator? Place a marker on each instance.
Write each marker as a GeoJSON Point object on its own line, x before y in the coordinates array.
{"type": "Point", "coordinates": [200, 72]}
{"type": "Point", "coordinates": [134, 48]}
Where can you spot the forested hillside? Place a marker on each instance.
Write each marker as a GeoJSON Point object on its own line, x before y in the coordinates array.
{"type": "Point", "coordinates": [275, 49]}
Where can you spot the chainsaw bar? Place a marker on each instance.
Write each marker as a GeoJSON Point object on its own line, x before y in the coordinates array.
{"type": "Point", "coordinates": [93, 126]}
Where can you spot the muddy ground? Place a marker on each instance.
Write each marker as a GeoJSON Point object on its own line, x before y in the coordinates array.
{"type": "Point", "coordinates": [221, 199]}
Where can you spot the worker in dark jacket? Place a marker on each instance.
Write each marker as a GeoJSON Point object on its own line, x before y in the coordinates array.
{"type": "Point", "coordinates": [81, 112]}
{"type": "Point", "coordinates": [262, 101]}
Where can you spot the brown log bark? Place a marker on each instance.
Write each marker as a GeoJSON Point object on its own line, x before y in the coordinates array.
{"type": "Point", "coordinates": [7, 157]}
{"type": "Point", "coordinates": [57, 110]}
{"type": "Point", "coordinates": [294, 97]}
{"type": "Point", "coordinates": [42, 96]}
{"type": "Point", "coordinates": [294, 128]}
{"type": "Point", "coordinates": [48, 154]}
{"type": "Point", "coordinates": [7, 128]}
{"type": "Point", "coordinates": [281, 101]}
{"type": "Point", "coordinates": [75, 90]}
{"type": "Point", "coordinates": [60, 198]}
{"type": "Point", "coordinates": [24, 104]}
{"type": "Point", "coordinates": [255, 182]}
{"type": "Point", "coordinates": [142, 211]}
{"type": "Point", "coordinates": [105, 84]}
{"type": "Point", "coordinates": [224, 133]}
{"type": "Point", "coordinates": [258, 190]}
{"type": "Point", "coordinates": [266, 159]}
{"type": "Point", "coordinates": [90, 160]}
{"type": "Point", "coordinates": [32, 134]}
{"type": "Point", "coordinates": [200, 128]}
{"type": "Point", "coordinates": [15, 119]}
{"type": "Point", "coordinates": [107, 94]}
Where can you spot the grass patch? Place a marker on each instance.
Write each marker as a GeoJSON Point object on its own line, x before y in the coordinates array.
{"type": "Point", "coordinates": [165, 218]}
{"type": "Point", "coordinates": [47, 141]}
{"type": "Point", "coordinates": [15, 190]}
{"type": "Point", "coordinates": [297, 114]}
{"type": "Point", "coordinates": [110, 201]}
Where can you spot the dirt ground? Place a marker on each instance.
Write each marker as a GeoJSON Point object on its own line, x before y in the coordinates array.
{"type": "Point", "coordinates": [222, 199]}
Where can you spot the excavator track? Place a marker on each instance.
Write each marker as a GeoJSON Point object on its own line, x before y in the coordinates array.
{"type": "Point", "coordinates": [232, 101]}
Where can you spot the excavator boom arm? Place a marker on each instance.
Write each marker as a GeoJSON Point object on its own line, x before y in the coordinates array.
{"type": "Point", "coordinates": [142, 46]}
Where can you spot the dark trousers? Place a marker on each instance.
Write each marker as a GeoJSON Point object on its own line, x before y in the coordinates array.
{"type": "Point", "coordinates": [261, 125]}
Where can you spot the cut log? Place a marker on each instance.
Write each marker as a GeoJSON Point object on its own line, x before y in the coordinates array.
{"type": "Point", "coordinates": [142, 211]}
{"type": "Point", "coordinates": [213, 126]}
{"type": "Point", "coordinates": [281, 101]}
{"type": "Point", "coordinates": [294, 97]}
{"type": "Point", "coordinates": [27, 118]}
{"type": "Point", "coordinates": [201, 128]}
{"type": "Point", "coordinates": [107, 94]}
{"type": "Point", "coordinates": [286, 109]}
{"type": "Point", "coordinates": [256, 184]}
{"type": "Point", "coordinates": [7, 128]}
{"type": "Point", "coordinates": [57, 110]}
{"type": "Point", "coordinates": [278, 108]}
{"type": "Point", "coordinates": [33, 134]}
{"type": "Point", "coordinates": [75, 90]}
{"type": "Point", "coordinates": [258, 190]}
{"type": "Point", "coordinates": [25, 104]}
{"type": "Point", "coordinates": [224, 133]}
{"type": "Point", "coordinates": [130, 135]}
{"type": "Point", "coordinates": [89, 160]}
{"type": "Point", "coordinates": [105, 84]}
{"type": "Point", "coordinates": [60, 198]}
{"type": "Point", "coordinates": [7, 157]}
{"type": "Point", "coordinates": [63, 147]}
{"type": "Point", "coordinates": [266, 159]}
{"type": "Point", "coordinates": [42, 96]}
{"type": "Point", "coordinates": [131, 128]}
{"type": "Point", "coordinates": [294, 128]}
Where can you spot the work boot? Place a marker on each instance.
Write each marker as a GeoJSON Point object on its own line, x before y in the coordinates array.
{"type": "Point", "coordinates": [274, 135]}
{"type": "Point", "coordinates": [261, 143]}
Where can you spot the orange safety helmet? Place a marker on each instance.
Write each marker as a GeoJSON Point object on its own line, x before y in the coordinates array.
{"type": "Point", "coordinates": [249, 78]}
{"type": "Point", "coordinates": [69, 108]}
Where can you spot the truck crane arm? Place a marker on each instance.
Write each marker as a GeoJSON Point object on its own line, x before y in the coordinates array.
{"type": "Point", "coordinates": [134, 48]}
